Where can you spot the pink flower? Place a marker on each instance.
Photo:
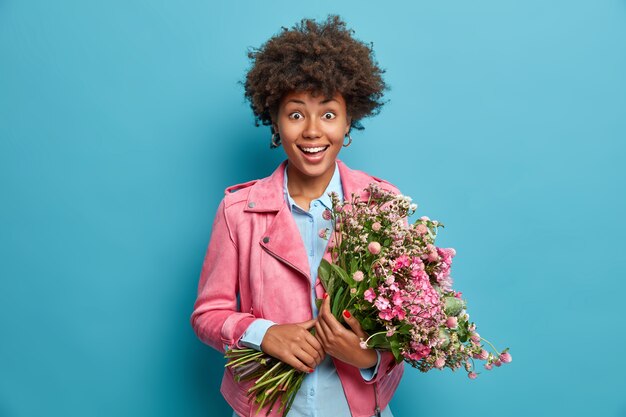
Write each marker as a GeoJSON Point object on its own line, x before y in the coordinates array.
{"type": "Point", "coordinates": [421, 229]}
{"type": "Point", "coordinates": [475, 337]}
{"type": "Point", "coordinates": [439, 363]}
{"type": "Point", "coordinates": [458, 294]}
{"type": "Point", "coordinates": [381, 303]}
{"type": "Point", "coordinates": [498, 363]}
{"type": "Point", "coordinates": [483, 355]}
{"type": "Point", "coordinates": [488, 366]}
{"type": "Point", "coordinates": [452, 322]}
{"type": "Point", "coordinates": [425, 218]}
{"type": "Point", "coordinates": [399, 312]}
{"type": "Point", "coordinates": [363, 344]}
{"type": "Point", "coordinates": [506, 357]}
{"type": "Point", "coordinates": [376, 226]}
{"type": "Point", "coordinates": [358, 276]}
{"type": "Point", "coordinates": [352, 290]}
{"type": "Point", "coordinates": [397, 298]}
{"type": "Point", "coordinates": [390, 280]}
{"type": "Point", "coordinates": [369, 295]}
{"type": "Point", "coordinates": [374, 248]}
{"type": "Point", "coordinates": [472, 375]}
{"type": "Point", "coordinates": [432, 256]}
{"type": "Point", "coordinates": [322, 232]}
{"type": "Point", "coordinates": [401, 261]}
{"type": "Point", "coordinates": [386, 314]}
{"type": "Point", "coordinates": [326, 215]}
{"type": "Point", "coordinates": [391, 331]}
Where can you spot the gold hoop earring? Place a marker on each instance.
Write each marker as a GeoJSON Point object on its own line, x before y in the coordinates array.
{"type": "Point", "coordinates": [345, 145]}
{"type": "Point", "coordinates": [273, 143]}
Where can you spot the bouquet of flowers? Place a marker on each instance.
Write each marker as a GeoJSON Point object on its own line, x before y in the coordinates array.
{"type": "Point", "coordinates": [394, 280]}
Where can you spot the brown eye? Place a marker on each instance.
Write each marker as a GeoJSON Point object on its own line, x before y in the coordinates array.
{"type": "Point", "coordinates": [331, 114]}
{"type": "Point", "coordinates": [294, 114]}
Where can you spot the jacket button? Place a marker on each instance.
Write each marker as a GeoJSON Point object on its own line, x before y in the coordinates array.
{"type": "Point", "coordinates": [266, 239]}
{"type": "Point", "coordinates": [251, 204]}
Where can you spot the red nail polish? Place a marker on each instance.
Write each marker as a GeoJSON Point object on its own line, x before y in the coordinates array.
{"type": "Point", "coordinates": [325, 295]}
{"type": "Point", "coordinates": [346, 314]}
{"type": "Point", "coordinates": [310, 371]}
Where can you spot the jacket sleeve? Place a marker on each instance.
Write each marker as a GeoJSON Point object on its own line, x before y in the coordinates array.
{"type": "Point", "coordinates": [215, 318]}
{"type": "Point", "coordinates": [386, 364]}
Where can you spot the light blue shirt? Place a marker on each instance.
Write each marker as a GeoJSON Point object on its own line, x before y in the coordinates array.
{"type": "Point", "coordinates": [321, 393]}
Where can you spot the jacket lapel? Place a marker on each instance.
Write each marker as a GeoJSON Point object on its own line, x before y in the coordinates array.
{"type": "Point", "coordinates": [282, 236]}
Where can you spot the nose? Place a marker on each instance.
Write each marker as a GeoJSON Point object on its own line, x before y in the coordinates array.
{"type": "Point", "coordinates": [312, 128]}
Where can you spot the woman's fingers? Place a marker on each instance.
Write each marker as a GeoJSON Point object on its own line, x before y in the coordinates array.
{"type": "Point", "coordinates": [326, 316]}
{"type": "Point", "coordinates": [354, 324]}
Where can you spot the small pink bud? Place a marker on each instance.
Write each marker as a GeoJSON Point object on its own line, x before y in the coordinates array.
{"type": "Point", "coordinates": [451, 322]}
{"type": "Point", "coordinates": [506, 357]}
{"type": "Point", "coordinates": [475, 337]}
{"type": "Point", "coordinates": [376, 226]}
{"type": "Point", "coordinates": [488, 366]}
{"type": "Point", "coordinates": [358, 276]}
{"type": "Point", "coordinates": [374, 248]}
{"type": "Point", "coordinates": [472, 375]}
{"type": "Point", "coordinates": [458, 294]}
{"type": "Point", "coordinates": [483, 355]}
{"type": "Point", "coordinates": [421, 229]}
{"type": "Point", "coordinates": [439, 363]}
{"type": "Point", "coordinates": [498, 363]}
{"type": "Point", "coordinates": [326, 215]}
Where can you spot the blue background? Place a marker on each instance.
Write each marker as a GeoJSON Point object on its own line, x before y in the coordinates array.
{"type": "Point", "coordinates": [122, 122]}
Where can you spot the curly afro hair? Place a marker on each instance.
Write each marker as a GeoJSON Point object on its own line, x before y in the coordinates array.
{"type": "Point", "coordinates": [318, 57]}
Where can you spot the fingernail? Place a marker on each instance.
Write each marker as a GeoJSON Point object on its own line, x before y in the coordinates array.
{"type": "Point", "coordinates": [310, 370]}
{"type": "Point", "coordinates": [325, 295]}
{"type": "Point", "coordinates": [346, 314]}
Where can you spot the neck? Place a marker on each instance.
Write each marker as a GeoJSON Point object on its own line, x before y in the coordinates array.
{"type": "Point", "coordinates": [306, 186]}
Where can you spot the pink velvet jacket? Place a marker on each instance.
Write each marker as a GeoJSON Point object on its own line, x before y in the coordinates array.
{"type": "Point", "coordinates": [256, 251]}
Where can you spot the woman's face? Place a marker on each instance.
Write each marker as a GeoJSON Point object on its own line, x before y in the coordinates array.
{"type": "Point", "coordinates": [312, 130]}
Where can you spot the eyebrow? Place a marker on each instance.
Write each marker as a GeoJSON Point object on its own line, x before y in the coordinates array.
{"type": "Point", "coordinates": [302, 102]}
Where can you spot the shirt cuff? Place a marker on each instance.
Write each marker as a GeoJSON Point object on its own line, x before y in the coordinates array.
{"type": "Point", "coordinates": [253, 336]}
{"type": "Point", "coordinates": [369, 373]}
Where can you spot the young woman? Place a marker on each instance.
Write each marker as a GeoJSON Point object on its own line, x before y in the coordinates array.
{"type": "Point", "coordinates": [258, 284]}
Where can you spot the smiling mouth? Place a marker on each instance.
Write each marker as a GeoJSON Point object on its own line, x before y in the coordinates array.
{"type": "Point", "coordinates": [313, 150]}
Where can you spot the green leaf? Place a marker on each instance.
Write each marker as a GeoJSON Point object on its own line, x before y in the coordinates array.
{"type": "Point", "coordinates": [462, 331]}
{"type": "Point", "coordinates": [336, 301]}
{"type": "Point", "coordinates": [343, 274]}
{"type": "Point", "coordinates": [324, 271]}
{"type": "Point", "coordinates": [395, 348]}
{"type": "Point", "coordinates": [453, 306]}
{"type": "Point", "coordinates": [354, 265]}
{"type": "Point", "coordinates": [379, 341]}
{"type": "Point", "coordinates": [367, 323]}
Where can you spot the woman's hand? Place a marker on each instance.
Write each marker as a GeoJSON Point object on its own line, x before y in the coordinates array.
{"type": "Point", "coordinates": [294, 345]}
{"type": "Point", "coordinates": [342, 343]}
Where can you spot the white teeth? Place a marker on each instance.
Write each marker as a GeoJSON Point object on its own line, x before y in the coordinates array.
{"type": "Point", "coordinates": [313, 150]}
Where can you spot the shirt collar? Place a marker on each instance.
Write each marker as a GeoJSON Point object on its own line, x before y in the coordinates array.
{"type": "Point", "coordinates": [333, 185]}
